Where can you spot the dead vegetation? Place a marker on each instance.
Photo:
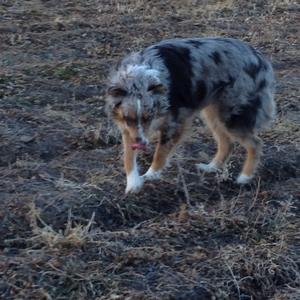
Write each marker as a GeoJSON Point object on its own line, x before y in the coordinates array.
{"type": "Point", "coordinates": [67, 231]}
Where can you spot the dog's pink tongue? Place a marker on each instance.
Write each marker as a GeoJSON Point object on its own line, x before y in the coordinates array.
{"type": "Point", "coordinates": [139, 146]}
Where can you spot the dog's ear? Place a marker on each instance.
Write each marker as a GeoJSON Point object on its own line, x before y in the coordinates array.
{"type": "Point", "coordinates": [115, 95]}
{"type": "Point", "coordinates": [157, 89]}
{"type": "Point", "coordinates": [116, 91]}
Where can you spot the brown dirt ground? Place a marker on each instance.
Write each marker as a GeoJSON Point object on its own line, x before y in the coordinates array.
{"type": "Point", "coordinates": [67, 231]}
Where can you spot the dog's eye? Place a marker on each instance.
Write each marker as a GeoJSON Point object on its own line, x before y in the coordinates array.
{"type": "Point", "coordinates": [116, 91]}
{"type": "Point", "coordinates": [145, 118]}
{"type": "Point", "coordinates": [130, 121]}
{"type": "Point", "coordinates": [156, 89]}
{"type": "Point", "coordinates": [118, 104]}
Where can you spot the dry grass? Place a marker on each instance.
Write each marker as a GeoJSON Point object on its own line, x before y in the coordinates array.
{"type": "Point", "coordinates": [74, 235]}
{"type": "Point", "coordinates": [67, 229]}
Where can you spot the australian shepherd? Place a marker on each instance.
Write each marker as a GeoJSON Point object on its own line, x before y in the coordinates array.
{"type": "Point", "coordinates": [163, 87]}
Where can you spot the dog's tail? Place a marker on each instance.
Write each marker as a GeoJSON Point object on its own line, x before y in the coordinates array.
{"type": "Point", "coordinates": [267, 112]}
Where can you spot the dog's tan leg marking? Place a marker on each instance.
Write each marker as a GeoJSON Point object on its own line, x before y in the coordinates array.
{"type": "Point", "coordinates": [134, 181]}
{"type": "Point", "coordinates": [162, 152]}
{"type": "Point", "coordinates": [129, 155]}
{"type": "Point", "coordinates": [253, 145]}
{"type": "Point", "coordinates": [161, 155]}
{"type": "Point", "coordinates": [222, 138]}
{"type": "Point", "coordinates": [224, 147]}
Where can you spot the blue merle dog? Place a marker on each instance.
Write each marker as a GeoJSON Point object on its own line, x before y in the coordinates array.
{"type": "Point", "coordinates": [161, 89]}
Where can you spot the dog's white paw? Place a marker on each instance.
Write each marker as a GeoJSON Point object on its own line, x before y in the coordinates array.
{"type": "Point", "coordinates": [152, 175]}
{"type": "Point", "coordinates": [244, 179]}
{"type": "Point", "coordinates": [134, 183]}
{"type": "Point", "coordinates": [209, 168]}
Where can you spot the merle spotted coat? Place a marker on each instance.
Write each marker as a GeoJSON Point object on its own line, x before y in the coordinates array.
{"type": "Point", "coordinates": [228, 80]}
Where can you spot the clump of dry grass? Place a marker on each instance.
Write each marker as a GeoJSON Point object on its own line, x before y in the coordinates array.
{"type": "Point", "coordinates": [74, 235]}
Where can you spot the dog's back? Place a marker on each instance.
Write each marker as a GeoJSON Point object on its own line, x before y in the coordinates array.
{"type": "Point", "coordinates": [221, 71]}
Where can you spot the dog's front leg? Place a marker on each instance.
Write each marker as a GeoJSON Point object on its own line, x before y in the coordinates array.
{"type": "Point", "coordinates": [162, 152]}
{"type": "Point", "coordinates": [134, 180]}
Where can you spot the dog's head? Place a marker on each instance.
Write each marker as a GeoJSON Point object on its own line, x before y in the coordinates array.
{"type": "Point", "coordinates": [135, 97]}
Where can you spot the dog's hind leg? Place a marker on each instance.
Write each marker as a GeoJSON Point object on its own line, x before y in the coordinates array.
{"type": "Point", "coordinates": [222, 137]}
{"type": "Point", "coordinates": [253, 146]}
